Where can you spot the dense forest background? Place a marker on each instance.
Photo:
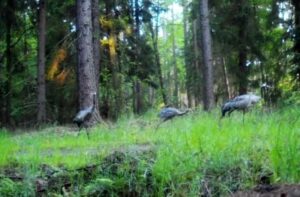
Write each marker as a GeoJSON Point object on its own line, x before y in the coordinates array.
{"type": "Point", "coordinates": [143, 54]}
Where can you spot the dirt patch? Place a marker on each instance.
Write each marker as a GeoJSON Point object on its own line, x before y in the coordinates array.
{"type": "Point", "coordinates": [271, 191]}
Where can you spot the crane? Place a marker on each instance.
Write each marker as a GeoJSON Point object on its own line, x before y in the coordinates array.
{"type": "Point", "coordinates": [84, 115]}
{"type": "Point", "coordinates": [169, 113]}
{"type": "Point", "coordinates": [242, 102]}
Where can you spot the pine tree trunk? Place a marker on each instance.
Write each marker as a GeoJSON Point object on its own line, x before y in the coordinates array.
{"type": "Point", "coordinates": [197, 89]}
{"type": "Point", "coordinates": [157, 59]}
{"type": "Point", "coordinates": [226, 79]}
{"type": "Point", "coordinates": [242, 50]}
{"type": "Point", "coordinates": [41, 99]}
{"type": "Point", "coordinates": [243, 76]}
{"type": "Point", "coordinates": [188, 68]}
{"type": "Point", "coordinates": [208, 96]}
{"type": "Point", "coordinates": [176, 85]}
{"type": "Point", "coordinates": [9, 61]}
{"type": "Point", "coordinates": [138, 97]}
{"type": "Point", "coordinates": [137, 88]}
{"type": "Point", "coordinates": [296, 4]}
{"type": "Point", "coordinates": [117, 96]}
{"type": "Point", "coordinates": [96, 44]}
{"type": "Point", "coordinates": [87, 83]}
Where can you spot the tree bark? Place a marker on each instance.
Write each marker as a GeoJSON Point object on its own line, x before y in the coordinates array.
{"type": "Point", "coordinates": [296, 4]}
{"type": "Point", "coordinates": [41, 99]}
{"type": "Point", "coordinates": [188, 68]}
{"type": "Point", "coordinates": [137, 88]}
{"type": "Point", "coordinates": [138, 104]}
{"type": "Point", "coordinates": [208, 96]}
{"type": "Point", "coordinates": [176, 85]}
{"type": "Point", "coordinates": [96, 48]}
{"type": "Point", "coordinates": [243, 73]}
{"type": "Point", "coordinates": [197, 88]}
{"type": "Point", "coordinates": [9, 61]}
{"type": "Point", "coordinates": [226, 79]}
{"type": "Point", "coordinates": [96, 40]}
{"type": "Point", "coordinates": [157, 59]}
{"type": "Point", "coordinates": [116, 101]}
{"type": "Point", "coordinates": [87, 83]}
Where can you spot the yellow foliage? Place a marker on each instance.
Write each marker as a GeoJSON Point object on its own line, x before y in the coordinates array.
{"type": "Point", "coordinates": [54, 68]}
{"type": "Point", "coordinates": [161, 105]}
{"type": "Point", "coordinates": [104, 42]}
{"type": "Point", "coordinates": [111, 42]}
{"type": "Point", "coordinates": [105, 23]}
{"type": "Point", "coordinates": [112, 46]}
{"type": "Point", "coordinates": [61, 78]}
{"type": "Point", "coordinates": [128, 30]}
{"type": "Point", "coordinates": [286, 84]}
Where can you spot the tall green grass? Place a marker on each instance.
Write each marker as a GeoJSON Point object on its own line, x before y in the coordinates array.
{"type": "Point", "coordinates": [190, 151]}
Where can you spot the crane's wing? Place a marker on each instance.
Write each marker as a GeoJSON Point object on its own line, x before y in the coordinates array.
{"type": "Point", "coordinates": [168, 112]}
{"type": "Point", "coordinates": [240, 98]}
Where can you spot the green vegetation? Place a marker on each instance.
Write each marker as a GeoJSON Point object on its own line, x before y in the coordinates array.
{"type": "Point", "coordinates": [179, 158]}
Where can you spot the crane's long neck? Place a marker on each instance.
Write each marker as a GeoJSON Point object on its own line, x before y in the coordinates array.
{"type": "Point", "coordinates": [184, 112]}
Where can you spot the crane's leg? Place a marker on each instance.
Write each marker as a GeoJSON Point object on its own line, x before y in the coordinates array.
{"type": "Point", "coordinates": [87, 131]}
{"type": "Point", "coordinates": [219, 122]}
{"type": "Point", "coordinates": [78, 133]}
{"type": "Point", "coordinates": [160, 122]}
{"type": "Point", "coordinates": [223, 115]}
{"type": "Point", "coordinates": [230, 112]}
{"type": "Point", "coordinates": [243, 116]}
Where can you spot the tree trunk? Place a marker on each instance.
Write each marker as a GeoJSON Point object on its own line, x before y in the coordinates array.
{"type": "Point", "coordinates": [243, 76]}
{"type": "Point", "coordinates": [176, 85]}
{"type": "Point", "coordinates": [157, 59]}
{"type": "Point", "coordinates": [9, 64]}
{"type": "Point", "coordinates": [96, 44]}
{"type": "Point", "coordinates": [138, 97]}
{"type": "Point", "coordinates": [197, 88]}
{"type": "Point", "coordinates": [41, 94]}
{"type": "Point", "coordinates": [296, 4]}
{"type": "Point", "coordinates": [208, 96]}
{"type": "Point", "coordinates": [242, 50]}
{"type": "Point", "coordinates": [87, 83]}
{"type": "Point", "coordinates": [137, 88]}
{"type": "Point", "coordinates": [116, 100]}
{"type": "Point", "coordinates": [188, 68]}
{"type": "Point", "coordinates": [226, 79]}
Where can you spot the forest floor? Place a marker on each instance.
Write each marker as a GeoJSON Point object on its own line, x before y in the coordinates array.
{"type": "Point", "coordinates": [194, 155]}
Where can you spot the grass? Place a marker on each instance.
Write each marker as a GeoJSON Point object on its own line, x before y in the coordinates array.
{"type": "Point", "coordinates": [189, 151]}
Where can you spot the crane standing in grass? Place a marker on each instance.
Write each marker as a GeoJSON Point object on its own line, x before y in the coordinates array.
{"type": "Point", "coordinates": [242, 102]}
{"type": "Point", "coordinates": [84, 115]}
{"type": "Point", "coordinates": [169, 113]}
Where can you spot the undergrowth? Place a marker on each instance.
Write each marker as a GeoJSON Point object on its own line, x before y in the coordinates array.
{"type": "Point", "coordinates": [197, 154]}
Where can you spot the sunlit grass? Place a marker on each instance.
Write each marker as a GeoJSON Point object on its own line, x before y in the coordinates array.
{"type": "Point", "coordinates": [188, 149]}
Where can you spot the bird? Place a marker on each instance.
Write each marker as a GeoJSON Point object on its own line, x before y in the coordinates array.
{"type": "Point", "coordinates": [242, 102]}
{"type": "Point", "coordinates": [84, 115]}
{"type": "Point", "coordinates": [169, 113]}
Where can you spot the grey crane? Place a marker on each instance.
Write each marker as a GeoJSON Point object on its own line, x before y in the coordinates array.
{"type": "Point", "coordinates": [242, 102]}
{"type": "Point", "coordinates": [84, 115]}
{"type": "Point", "coordinates": [169, 113]}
